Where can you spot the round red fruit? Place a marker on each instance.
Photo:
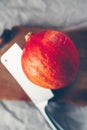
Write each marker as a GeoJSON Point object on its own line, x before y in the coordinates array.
{"type": "Point", "coordinates": [50, 59]}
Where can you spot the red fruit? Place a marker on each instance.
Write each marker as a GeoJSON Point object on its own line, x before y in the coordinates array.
{"type": "Point", "coordinates": [50, 59]}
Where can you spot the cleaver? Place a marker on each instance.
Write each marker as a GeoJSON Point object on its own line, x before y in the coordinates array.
{"type": "Point", "coordinates": [11, 59]}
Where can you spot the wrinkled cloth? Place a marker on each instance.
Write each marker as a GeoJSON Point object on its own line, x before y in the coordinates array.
{"type": "Point", "coordinates": [53, 13]}
{"type": "Point", "coordinates": [21, 115]}
{"type": "Point", "coordinates": [68, 116]}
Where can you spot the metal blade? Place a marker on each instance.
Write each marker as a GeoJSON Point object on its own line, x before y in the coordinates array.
{"type": "Point", "coordinates": [11, 59]}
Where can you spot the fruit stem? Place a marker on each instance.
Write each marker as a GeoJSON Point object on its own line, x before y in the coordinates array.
{"type": "Point", "coordinates": [27, 36]}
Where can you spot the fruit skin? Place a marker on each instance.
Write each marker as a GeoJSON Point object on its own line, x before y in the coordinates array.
{"type": "Point", "coordinates": [50, 59]}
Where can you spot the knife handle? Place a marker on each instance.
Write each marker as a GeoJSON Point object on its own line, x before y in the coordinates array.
{"type": "Point", "coordinates": [53, 120]}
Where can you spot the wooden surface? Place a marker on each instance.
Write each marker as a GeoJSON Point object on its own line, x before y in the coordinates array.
{"type": "Point", "coordinates": [76, 92]}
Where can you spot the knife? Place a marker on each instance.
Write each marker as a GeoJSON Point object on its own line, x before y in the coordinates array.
{"type": "Point", "coordinates": [11, 59]}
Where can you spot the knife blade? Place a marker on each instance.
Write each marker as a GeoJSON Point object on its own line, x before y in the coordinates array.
{"type": "Point", "coordinates": [11, 59]}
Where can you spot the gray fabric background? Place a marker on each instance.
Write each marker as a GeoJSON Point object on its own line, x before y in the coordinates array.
{"type": "Point", "coordinates": [21, 115]}
{"type": "Point", "coordinates": [56, 13]}
{"type": "Point", "coordinates": [64, 14]}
